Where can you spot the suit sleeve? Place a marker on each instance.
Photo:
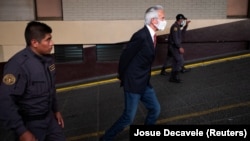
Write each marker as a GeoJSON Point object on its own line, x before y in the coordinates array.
{"type": "Point", "coordinates": [128, 53]}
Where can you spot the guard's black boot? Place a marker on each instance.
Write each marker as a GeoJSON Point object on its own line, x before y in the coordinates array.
{"type": "Point", "coordinates": [184, 70]}
{"type": "Point", "coordinates": [175, 77]}
{"type": "Point", "coordinates": [163, 71]}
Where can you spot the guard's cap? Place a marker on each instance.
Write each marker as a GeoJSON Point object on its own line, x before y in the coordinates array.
{"type": "Point", "coordinates": [180, 16]}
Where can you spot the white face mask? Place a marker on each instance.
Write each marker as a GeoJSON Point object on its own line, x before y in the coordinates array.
{"type": "Point", "coordinates": [161, 25]}
{"type": "Point", "coordinates": [183, 23]}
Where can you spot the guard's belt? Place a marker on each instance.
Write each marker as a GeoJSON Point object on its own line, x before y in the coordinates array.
{"type": "Point", "coordinates": [35, 117]}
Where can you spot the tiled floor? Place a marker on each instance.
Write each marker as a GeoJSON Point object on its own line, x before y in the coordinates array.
{"type": "Point", "coordinates": [211, 94]}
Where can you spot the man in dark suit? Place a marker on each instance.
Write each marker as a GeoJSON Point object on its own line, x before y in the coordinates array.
{"type": "Point", "coordinates": [135, 71]}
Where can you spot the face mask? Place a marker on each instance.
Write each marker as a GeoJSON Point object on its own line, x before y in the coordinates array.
{"type": "Point", "coordinates": [161, 25]}
{"type": "Point", "coordinates": [183, 23]}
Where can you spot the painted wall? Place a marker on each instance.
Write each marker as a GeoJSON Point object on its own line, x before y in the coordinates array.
{"type": "Point", "coordinates": [91, 22]}
{"type": "Point", "coordinates": [204, 38]}
{"type": "Point", "coordinates": [84, 32]}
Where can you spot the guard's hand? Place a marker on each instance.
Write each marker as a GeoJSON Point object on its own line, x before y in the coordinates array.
{"type": "Point", "coordinates": [27, 136]}
{"type": "Point", "coordinates": [59, 119]}
{"type": "Point", "coordinates": [181, 50]}
{"type": "Point", "coordinates": [188, 21]}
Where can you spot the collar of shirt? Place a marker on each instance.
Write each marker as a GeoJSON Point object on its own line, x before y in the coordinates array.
{"type": "Point", "coordinates": [43, 58]}
{"type": "Point", "coordinates": [151, 31]}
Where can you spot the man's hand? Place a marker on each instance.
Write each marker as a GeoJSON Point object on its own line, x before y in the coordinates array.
{"type": "Point", "coordinates": [188, 21]}
{"type": "Point", "coordinates": [181, 49]}
{"type": "Point", "coordinates": [59, 119]}
{"type": "Point", "coordinates": [27, 136]}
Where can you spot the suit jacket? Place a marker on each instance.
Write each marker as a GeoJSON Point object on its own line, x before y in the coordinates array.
{"type": "Point", "coordinates": [136, 61]}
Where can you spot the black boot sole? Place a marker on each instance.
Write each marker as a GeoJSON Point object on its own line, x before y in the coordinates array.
{"type": "Point", "coordinates": [175, 80]}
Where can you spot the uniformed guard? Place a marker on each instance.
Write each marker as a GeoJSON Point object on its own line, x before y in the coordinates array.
{"type": "Point", "coordinates": [175, 47]}
{"type": "Point", "coordinates": [28, 103]}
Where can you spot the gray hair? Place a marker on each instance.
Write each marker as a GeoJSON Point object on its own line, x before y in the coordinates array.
{"type": "Point", "coordinates": [152, 12]}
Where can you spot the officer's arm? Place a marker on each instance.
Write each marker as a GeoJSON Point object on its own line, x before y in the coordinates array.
{"type": "Point", "coordinates": [175, 37]}
{"type": "Point", "coordinates": [54, 101]}
{"type": "Point", "coordinates": [185, 28]}
{"type": "Point", "coordinates": [11, 89]}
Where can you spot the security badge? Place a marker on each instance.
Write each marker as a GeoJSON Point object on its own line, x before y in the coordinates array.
{"type": "Point", "coordinates": [9, 79]}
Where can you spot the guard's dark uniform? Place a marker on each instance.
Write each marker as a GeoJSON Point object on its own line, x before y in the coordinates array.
{"type": "Point", "coordinates": [175, 40]}
{"type": "Point", "coordinates": [28, 95]}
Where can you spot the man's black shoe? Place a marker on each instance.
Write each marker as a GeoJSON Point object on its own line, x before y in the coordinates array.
{"type": "Point", "coordinates": [175, 80]}
{"type": "Point", "coordinates": [185, 70]}
{"type": "Point", "coordinates": [164, 73]}
{"type": "Point", "coordinates": [101, 138]}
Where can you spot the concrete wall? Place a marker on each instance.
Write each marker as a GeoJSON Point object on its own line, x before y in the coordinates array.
{"type": "Point", "coordinates": [134, 9]}
{"type": "Point", "coordinates": [78, 10]}
{"type": "Point", "coordinates": [91, 22]}
{"type": "Point", "coordinates": [85, 32]}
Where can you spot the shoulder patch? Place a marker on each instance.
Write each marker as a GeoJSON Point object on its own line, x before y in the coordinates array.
{"type": "Point", "coordinates": [175, 29]}
{"type": "Point", "coordinates": [9, 79]}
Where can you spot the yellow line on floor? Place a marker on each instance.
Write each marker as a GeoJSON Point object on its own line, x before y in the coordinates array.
{"type": "Point", "coordinates": [205, 63]}
{"type": "Point", "coordinates": [196, 114]}
{"type": "Point", "coordinates": [171, 119]}
{"type": "Point", "coordinates": [86, 85]}
{"type": "Point", "coordinates": [153, 72]}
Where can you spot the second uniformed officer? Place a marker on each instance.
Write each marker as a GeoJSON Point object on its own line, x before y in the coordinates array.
{"type": "Point", "coordinates": [175, 47]}
{"type": "Point", "coordinates": [28, 103]}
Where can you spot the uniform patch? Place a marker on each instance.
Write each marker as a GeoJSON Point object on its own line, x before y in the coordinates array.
{"type": "Point", "coordinates": [175, 29]}
{"type": "Point", "coordinates": [9, 79]}
{"type": "Point", "coordinates": [52, 67]}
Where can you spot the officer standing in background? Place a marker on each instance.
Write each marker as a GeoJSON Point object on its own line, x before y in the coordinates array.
{"type": "Point", "coordinates": [28, 103]}
{"type": "Point", "coordinates": [175, 48]}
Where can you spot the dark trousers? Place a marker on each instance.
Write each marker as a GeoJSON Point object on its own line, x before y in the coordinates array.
{"type": "Point", "coordinates": [46, 129]}
{"type": "Point", "coordinates": [177, 58]}
{"type": "Point", "coordinates": [167, 60]}
{"type": "Point", "coordinates": [150, 101]}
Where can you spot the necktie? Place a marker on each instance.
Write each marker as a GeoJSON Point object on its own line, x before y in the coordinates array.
{"type": "Point", "coordinates": [155, 40]}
